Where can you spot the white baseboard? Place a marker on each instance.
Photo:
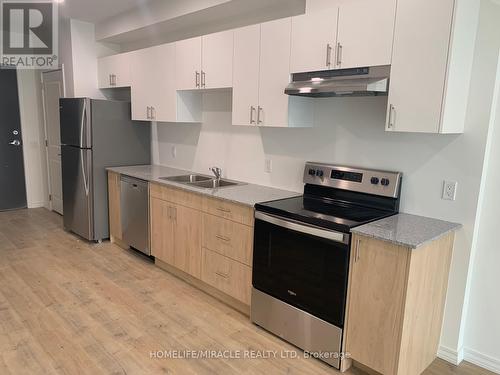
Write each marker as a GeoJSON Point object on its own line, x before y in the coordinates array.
{"type": "Point", "coordinates": [36, 204]}
{"type": "Point", "coordinates": [451, 355]}
{"type": "Point", "coordinates": [482, 360]}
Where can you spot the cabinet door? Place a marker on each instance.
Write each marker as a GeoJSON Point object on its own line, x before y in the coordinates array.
{"type": "Point", "coordinates": [217, 60]}
{"type": "Point", "coordinates": [187, 239]}
{"type": "Point", "coordinates": [163, 92]}
{"type": "Point", "coordinates": [314, 37]}
{"type": "Point", "coordinates": [365, 33]}
{"type": "Point", "coordinates": [274, 72]}
{"type": "Point", "coordinates": [115, 227]}
{"type": "Point", "coordinates": [162, 230]}
{"type": "Point", "coordinates": [143, 83]}
{"type": "Point", "coordinates": [188, 63]}
{"type": "Point", "coordinates": [376, 301]}
{"type": "Point", "coordinates": [114, 71]}
{"type": "Point", "coordinates": [419, 65]}
{"type": "Point", "coordinates": [246, 75]}
{"type": "Point", "coordinates": [104, 69]}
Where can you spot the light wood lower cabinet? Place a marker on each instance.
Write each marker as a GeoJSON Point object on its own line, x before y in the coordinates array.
{"type": "Point", "coordinates": [396, 304]}
{"type": "Point", "coordinates": [176, 236]}
{"type": "Point", "coordinates": [228, 238]}
{"type": "Point", "coordinates": [115, 227]}
{"type": "Point", "coordinates": [227, 275]}
{"type": "Point", "coordinates": [227, 210]}
{"type": "Point", "coordinates": [162, 230]}
{"type": "Point", "coordinates": [206, 238]}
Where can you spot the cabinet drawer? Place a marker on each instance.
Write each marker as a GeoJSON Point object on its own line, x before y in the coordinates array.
{"type": "Point", "coordinates": [227, 210]}
{"type": "Point", "coordinates": [227, 275]}
{"type": "Point", "coordinates": [228, 238]}
{"type": "Point", "coordinates": [177, 196]}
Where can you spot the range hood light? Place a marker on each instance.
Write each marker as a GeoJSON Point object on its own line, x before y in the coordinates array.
{"type": "Point", "coordinates": [305, 90]}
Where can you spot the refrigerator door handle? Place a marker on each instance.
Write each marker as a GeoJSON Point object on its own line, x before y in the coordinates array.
{"type": "Point", "coordinates": [82, 124]}
{"type": "Point", "coordinates": [85, 178]}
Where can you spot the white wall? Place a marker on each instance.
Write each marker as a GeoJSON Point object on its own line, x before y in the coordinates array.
{"type": "Point", "coordinates": [351, 131]}
{"type": "Point", "coordinates": [85, 51]}
{"type": "Point", "coordinates": [32, 126]}
{"type": "Point", "coordinates": [483, 322]}
{"type": "Point", "coordinates": [65, 55]}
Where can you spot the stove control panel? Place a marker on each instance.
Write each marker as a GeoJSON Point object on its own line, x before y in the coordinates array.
{"type": "Point", "coordinates": [384, 183]}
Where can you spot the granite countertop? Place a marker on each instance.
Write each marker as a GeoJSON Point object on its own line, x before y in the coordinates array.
{"type": "Point", "coordinates": [247, 194]}
{"type": "Point", "coordinates": [407, 230]}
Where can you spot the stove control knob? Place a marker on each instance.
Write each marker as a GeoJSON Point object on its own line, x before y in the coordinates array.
{"type": "Point", "coordinates": [385, 182]}
{"type": "Point", "coordinates": [375, 180]}
{"type": "Point", "coordinates": [319, 173]}
{"type": "Point", "coordinates": [312, 172]}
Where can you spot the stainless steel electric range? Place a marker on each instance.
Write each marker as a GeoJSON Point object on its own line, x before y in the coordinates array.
{"type": "Point", "coordinates": [302, 249]}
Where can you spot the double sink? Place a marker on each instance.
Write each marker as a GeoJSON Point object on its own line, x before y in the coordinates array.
{"type": "Point", "coordinates": [201, 181]}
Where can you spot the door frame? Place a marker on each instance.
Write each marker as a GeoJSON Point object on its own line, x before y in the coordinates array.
{"type": "Point", "coordinates": [61, 68]}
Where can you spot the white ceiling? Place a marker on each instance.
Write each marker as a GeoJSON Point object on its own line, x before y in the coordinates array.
{"type": "Point", "coordinates": [96, 10]}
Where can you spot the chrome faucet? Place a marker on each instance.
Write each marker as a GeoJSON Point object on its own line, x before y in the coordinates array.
{"type": "Point", "coordinates": [217, 172]}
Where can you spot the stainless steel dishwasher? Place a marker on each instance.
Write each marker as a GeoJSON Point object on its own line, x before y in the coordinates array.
{"type": "Point", "coordinates": [135, 213]}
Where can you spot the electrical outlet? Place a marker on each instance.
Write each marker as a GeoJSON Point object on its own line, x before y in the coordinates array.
{"type": "Point", "coordinates": [174, 152]}
{"type": "Point", "coordinates": [450, 190]}
{"type": "Point", "coordinates": [269, 166]}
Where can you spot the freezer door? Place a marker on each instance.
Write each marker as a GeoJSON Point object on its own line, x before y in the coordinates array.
{"type": "Point", "coordinates": [78, 191]}
{"type": "Point", "coordinates": [76, 122]}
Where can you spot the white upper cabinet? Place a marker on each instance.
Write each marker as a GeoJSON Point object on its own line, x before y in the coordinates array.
{"type": "Point", "coordinates": [114, 71]}
{"type": "Point", "coordinates": [365, 33]}
{"type": "Point", "coordinates": [205, 62]}
{"type": "Point", "coordinates": [153, 91]}
{"type": "Point", "coordinates": [431, 65]}
{"type": "Point", "coordinates": [274, 74]}
{"type": "Point", "coordinates": [217, 60]}
{"type": "Point", "coordinates": [246, 75]}
{"type": "Point", "coordinates": [314, 37]}
{"type": "Point", "coordinates": [188, 64]}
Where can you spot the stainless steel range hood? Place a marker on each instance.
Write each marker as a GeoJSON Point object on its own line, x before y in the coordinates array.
{"type": "Point", "coordinates": [370, 81]}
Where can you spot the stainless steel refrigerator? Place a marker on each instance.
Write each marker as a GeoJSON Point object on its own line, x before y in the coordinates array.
{"type": "Point", "coordinates": [96, 134]}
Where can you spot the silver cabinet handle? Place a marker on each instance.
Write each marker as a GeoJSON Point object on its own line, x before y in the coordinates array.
{"type": "Point", "coordinates": [328, 54]}
{"type": "Point", "coordinates": [203, 76]}
{"type": "Point", "coordinates": [110, 80]}
{"type": "Point", "coordinates": [339, 54]}
{"type": "Point", "coordinates": [222, 238]}
{"type": "Point", "coordinates": [259, 110]}
{"type": "Point", "coordinates": [252, 110]}
{"type": "Point", "coordinates": [148, 113]}
{"type": "Point", "coordinates": [197, 79]}
{"type": "Point", "coordinates": [392, 117]}
{"type": "Point", "coordinates": [223, 275]}
{"type": "Point", "coordinates": [153, 113]}
{"type": "Point", "coordinates": [15, 142]}
{"type": "Point", "coordinates": [114, 79]}
{"type": "Point", "coordinates": [222, 209]}
{"type": "Point", "coordinates": [357, 254]}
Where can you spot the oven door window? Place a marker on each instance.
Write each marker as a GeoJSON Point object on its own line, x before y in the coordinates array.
{"type": "Point", "coordinates": [305, 271]}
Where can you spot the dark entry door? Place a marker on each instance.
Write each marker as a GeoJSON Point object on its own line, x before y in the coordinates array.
{"type": "Point", "coordinates": [12, 183]}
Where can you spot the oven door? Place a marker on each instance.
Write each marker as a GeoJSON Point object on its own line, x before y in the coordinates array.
{"type": "Point", "coordinates": [302, 265]}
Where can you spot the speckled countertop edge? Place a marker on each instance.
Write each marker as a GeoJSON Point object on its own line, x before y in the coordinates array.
{"type": "Point", "coordinates": [407, 230]}
{"type": "Point", "coordinates": [246, 194]}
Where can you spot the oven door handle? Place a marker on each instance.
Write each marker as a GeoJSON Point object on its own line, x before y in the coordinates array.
{"type": "Point", "coordinates": [306, 229]}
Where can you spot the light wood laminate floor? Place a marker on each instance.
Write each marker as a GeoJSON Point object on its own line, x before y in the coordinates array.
{"type": "Point", "coordinates": [70, 307]}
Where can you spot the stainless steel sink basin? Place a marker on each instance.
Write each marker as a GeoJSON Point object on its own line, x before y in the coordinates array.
{"type": "Point", "coordinates": [214, 184]}
{"type": "Point", "coordinates": [187, 179]}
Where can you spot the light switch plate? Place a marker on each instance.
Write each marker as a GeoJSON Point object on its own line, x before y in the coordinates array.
{"type": "Point", "coordinates": [450, 190]}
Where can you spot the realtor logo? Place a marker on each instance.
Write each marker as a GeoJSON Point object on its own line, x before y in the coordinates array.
{"type": "Point", "coordinates": [29, 34]}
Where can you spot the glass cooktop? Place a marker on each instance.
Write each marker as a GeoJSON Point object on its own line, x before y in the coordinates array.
{"type": "Point", "coordinates": [323, 212]}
